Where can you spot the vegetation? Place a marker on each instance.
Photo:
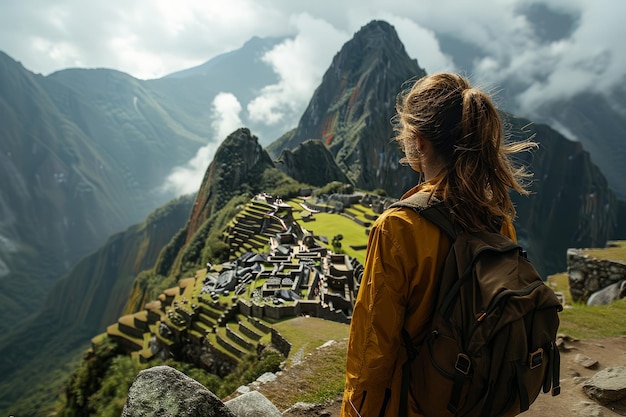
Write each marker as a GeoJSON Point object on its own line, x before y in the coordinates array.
{"type": "Point", "coordinates": [279, 184]}
{"type": "Point", "coordinates": [335, 187]}
{"type": "Point", "coordinates": [100, 385]}
{"type": "Point", "coordinates": [354, 235]}
{"type": "Point", "coordinates": [249, 369]}
{"type": "Point", "coordinates": [613, 253]}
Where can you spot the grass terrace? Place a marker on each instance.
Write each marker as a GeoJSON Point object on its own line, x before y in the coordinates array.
{"type": "Point", "coordinates": [616, 252]}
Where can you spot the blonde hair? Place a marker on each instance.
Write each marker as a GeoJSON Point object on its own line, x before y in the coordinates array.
{"type": "Point", "coordinates": [466, 133]}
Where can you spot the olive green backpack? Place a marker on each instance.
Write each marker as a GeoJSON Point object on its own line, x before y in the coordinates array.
{"type": "Point", "coordinates": [491, 345]}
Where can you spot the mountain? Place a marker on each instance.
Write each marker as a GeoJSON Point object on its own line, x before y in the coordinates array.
{"type": "Point", "coordinates": [232, 67]}
{"type": "Point", "coordinates": [92, 295]}
{"type": "Point", "coordinates": [242, 73]}
{"type": "Point", "coordinates": [570, 205]}
{"type": "Point", "coordinates": [347, 118]}
{"type": "Point", "coordinates": [84, 153]}
{"type": "Point", "coordinates": [351, 110]}
{"type": "Point", "coordinates": [81, 153]}
{"type": "Point", "coordinates": [598, 123]}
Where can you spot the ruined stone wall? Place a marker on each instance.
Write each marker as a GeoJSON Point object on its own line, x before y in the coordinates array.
{"type": "Point", "coordinates": [588, 275]}
{"type": "Point", "coordinates": [280, 343]}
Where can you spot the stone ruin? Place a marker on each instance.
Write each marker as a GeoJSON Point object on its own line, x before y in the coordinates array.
{"type": "Point", "coordinates": [595, 281]}
{"type": "Point", "coordinates": [216, 317]}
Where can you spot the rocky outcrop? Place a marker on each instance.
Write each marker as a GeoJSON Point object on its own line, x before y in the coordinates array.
{"type": "Point", "coordinates": [570, 205]}
{"type": "Point", "coordinates": [311, 163]}
{"type": "Point", "coordinates": [239, 160]}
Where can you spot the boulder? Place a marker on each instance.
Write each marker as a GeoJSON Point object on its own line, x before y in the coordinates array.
{"type": "Point", "coordinates": [607, 386]}
{"type": "Point", "coordinates": [252, 404]}
{"type": "Point", "coordinates": [608, 294]}
{"type": "Point", "coordinates": [165, 392]}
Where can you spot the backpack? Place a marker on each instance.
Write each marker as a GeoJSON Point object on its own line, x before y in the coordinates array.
{"type": "Point", "coordinates": [491, 347]}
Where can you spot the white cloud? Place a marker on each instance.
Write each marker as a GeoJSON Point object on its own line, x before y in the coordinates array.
{"type": "Point", "coordinates": [187, 179]}
{"type": "Point", "coordinates": [300, 63]}
{"type": "Point", "coordinates": [226, 114]}
{"type": "Point", "coordinates": [150, 38]}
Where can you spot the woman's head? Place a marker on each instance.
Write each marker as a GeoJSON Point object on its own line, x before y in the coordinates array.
{"type": "Point", "coordinates": [447, 125]}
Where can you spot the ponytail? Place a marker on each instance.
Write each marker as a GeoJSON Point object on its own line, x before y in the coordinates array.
{"type": "Point", "coordinates": [466, 133]}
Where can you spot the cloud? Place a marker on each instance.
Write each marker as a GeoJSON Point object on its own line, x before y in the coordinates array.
{"type": "Point", "coordinates": [591, 60]}
{"type": "Point", "coordinates": [226, 114]}
{"type": "Point", "coordinates": [537, 52]}
{"type": "Point", "coordinates": [300, 64]}
{"type": "Point", "coordinates": [187, 179]}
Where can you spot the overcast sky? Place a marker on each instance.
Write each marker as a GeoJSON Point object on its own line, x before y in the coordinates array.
{"type": "Point", "coordinates": [548, 49]}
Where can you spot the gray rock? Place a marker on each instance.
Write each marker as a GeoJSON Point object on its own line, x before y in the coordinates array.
{"type": "Point", "coordinates": [243, 389]}
{"type": "Point", "coordinates": [608, 294]}
{"type": "Point", "coordinates": [252, 404]}
{"type": "Point", "coordinates": [607, 386]}
{"type": "Point", "coordinates": [302, 408]}
{"type": "Point", "coordinates": [165, 392]}
{"type": "Point", "coordinates": [586, 361]}
{"type": "Point", "coordinates": [266, 377]}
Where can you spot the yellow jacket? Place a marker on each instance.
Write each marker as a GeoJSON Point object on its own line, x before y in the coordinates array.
{"type": "Point", "coordinates": [404, 258]}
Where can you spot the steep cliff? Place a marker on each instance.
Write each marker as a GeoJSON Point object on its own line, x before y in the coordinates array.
{"type": "Point", "coordinates": [571, 204]}
{"type": "Point", "coordinates": [240, 169]}
{"type": "Point", "coordinates": [352, 108]}
{"type": "Point", "coordinates": [238, 165]}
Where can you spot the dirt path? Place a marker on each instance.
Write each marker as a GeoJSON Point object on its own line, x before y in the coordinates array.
{"type": "Point", "coordinates": [572, 401]}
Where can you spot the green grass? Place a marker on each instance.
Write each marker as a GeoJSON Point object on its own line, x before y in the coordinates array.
{"type": "Point", "coordinates": [617, 253]}
{"type": "Point", "coordinates": [321, 377]}
{"type": "Point", "coordinates": [307, 333]}
{"type": "Point", "coordinates": [589, 322]}
{"type": "Point", "coordinates": [330, 225]}
{"type": "Point", "coordinates": [328, 381]}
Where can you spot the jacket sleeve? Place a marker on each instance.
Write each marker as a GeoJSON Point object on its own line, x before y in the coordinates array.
{"type": "Point", "coordinates": [377, 320]}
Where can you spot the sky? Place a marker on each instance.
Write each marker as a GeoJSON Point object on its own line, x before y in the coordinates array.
{"type": "Point", "coordinates": [543, 50]}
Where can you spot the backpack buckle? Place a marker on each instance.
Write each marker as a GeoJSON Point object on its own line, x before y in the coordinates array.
{"type": "Point", "coordinates": [463, 363]}
{"type": "Point", "coordinates": [535, 359]}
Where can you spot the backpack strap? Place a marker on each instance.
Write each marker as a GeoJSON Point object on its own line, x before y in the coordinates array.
{"type": "Point", "coordinates": [435, 211]}
{"type": "Point", "coordinates": [432, 209]}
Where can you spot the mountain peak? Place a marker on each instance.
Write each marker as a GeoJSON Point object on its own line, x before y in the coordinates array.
{"type": "Point", "coordinates": [351, 109]}
{"type": "Point", "coordinates": [239, 160]}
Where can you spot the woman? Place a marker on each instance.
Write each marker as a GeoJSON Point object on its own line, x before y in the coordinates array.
{"type": "Point", "coordinates": [452, 134]}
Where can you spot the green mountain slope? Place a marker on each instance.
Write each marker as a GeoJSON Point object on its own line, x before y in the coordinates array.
{"type": "Point", "coordinates": [34, 357]}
